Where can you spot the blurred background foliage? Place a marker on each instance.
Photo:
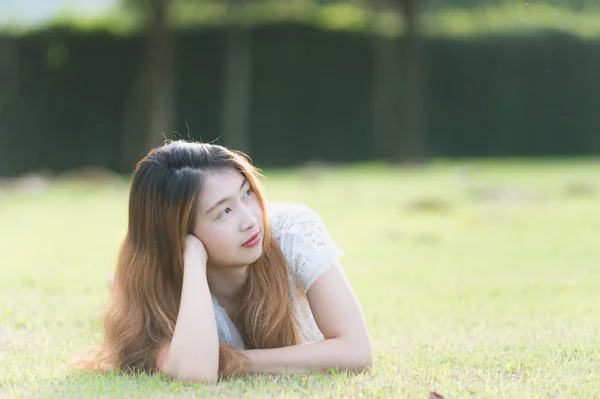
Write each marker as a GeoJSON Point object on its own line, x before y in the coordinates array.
{"type": "Point", "coordinates": [297, 81]}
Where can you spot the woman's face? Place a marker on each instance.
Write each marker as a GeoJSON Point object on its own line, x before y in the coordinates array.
{"type": "Point", "coordinates": [228, 216]}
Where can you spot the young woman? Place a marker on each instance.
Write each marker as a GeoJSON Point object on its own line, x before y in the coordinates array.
{"type": "Point", "coordinates": [213, 282]}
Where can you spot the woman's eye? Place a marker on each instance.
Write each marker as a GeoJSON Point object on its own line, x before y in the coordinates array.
{"type": "Point", "coordinates": [225, 211]}
{"type": "Point", "coordinates": [247, 193]}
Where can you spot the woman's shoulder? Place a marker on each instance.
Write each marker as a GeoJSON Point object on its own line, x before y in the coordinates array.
{"type": "Point", "coordinates": [284, 207]}
{"type": "Point", "coordinates": [304, 240]}
{"type": "Point", "coordinates": [290, 217]}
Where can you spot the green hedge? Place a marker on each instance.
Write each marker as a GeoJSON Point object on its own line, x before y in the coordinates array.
{"type": "Point", "coordinates": [62, 106]}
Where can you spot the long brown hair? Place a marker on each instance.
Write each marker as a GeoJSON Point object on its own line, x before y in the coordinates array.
{"type": "Point", "coordinates": [144, 303]}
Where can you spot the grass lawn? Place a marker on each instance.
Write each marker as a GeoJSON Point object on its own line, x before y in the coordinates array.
{"type": "Point", "coordinates": [477, 279]}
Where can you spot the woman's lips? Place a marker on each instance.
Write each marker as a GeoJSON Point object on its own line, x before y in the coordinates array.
{"type": "Point", "coordinates": [252, 241]}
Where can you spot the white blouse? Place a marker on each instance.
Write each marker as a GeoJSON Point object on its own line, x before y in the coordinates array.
{"type": "Point", "coordinates": [309, 251]}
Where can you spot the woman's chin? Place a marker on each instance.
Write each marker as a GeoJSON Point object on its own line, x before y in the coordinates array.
{"type": "Point", "coordinates": [255, 256]}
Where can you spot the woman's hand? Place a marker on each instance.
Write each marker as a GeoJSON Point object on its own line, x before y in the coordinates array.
{"type": "Point", "coordinates": [195, 252]}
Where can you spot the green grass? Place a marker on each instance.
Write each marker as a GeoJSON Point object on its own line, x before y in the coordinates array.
{"type": "Point", "coordinates": [477, 279]}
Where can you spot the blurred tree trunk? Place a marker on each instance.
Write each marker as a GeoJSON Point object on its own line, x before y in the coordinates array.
{"type": "Point", "coordinates": [412, 80]}
{"type": "Point", "coordinates": [398, 88]}
{"type": "Point", "coordinates": [9, 88]}
{"type": "Point", "coordinates": [150, 107]}
{"type": "Point", "coordinates": [9, 65]}
{"type": "Point", "coordinates": [386, 92]}
{"type": "Point", "coordinates": [237, 90]}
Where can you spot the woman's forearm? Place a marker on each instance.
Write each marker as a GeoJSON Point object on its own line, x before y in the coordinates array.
{"type": "Point", "coordinates": [334, 353]}
{"type": "Point", "coordinates": [193, 354]}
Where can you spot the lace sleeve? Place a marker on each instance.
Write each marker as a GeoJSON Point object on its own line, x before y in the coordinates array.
{"type": "Point", "coordinates": [305, 242]}
{"type": "Point", "coordinates": [228, 333]}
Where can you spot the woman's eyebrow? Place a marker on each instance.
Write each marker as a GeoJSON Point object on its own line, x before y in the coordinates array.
{"type": "Point", "coordinates": [244, 181]}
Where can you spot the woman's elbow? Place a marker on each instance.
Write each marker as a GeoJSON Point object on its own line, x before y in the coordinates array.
{"type": "Point", "coordinates": [202, 378]}
{"type": "Point", "coordinates": [362, 359]}
{"type": "Point", "coordinates": [364, 363]}
{"type": "Point", "coordinates": [193, 375]}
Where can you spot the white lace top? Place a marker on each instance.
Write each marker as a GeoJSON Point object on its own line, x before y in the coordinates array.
{"type": "Point", "coordinates": [309, 251]}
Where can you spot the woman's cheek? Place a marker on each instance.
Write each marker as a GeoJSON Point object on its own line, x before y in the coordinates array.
{"type": "Point", "coordinates": [218, 245]}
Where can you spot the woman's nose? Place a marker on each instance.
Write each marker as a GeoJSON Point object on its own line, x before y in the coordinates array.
{"type": "Point", "coordinates": [249, 220]}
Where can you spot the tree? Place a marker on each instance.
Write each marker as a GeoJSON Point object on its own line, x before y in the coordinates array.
{"type": "Point", "coordinates": [398, 87]}
{"type": "Point", "coordinates": [9, 86]}
{"type": "Point", "coordinates": [150, 107]}
{"type": "Point", "coordinates": [237, 90]}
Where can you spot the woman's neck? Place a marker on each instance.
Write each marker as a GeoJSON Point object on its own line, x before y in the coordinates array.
{"type": "Point", "coordinates": [226, 284]}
